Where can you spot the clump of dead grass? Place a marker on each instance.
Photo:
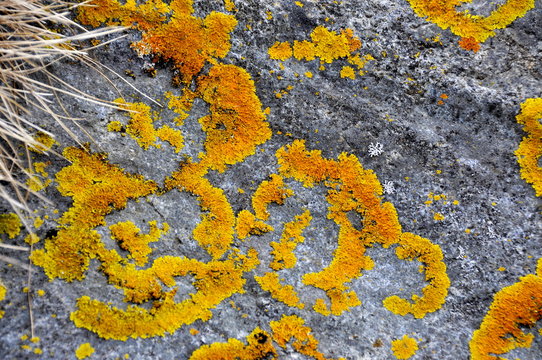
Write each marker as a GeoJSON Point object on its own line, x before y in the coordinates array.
{"type": "Point", "coordinates": [34, 35]}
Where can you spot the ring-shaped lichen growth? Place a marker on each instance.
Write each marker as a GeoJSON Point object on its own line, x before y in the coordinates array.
{"type": "Point", "coordinates": [530, 148]}
{"type": "Point", "coordinates": [434, 294]}
{"type": "Point", "coordinates": [351, 188]}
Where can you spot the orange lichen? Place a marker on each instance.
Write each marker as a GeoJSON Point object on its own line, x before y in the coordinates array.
{"type": "Point", "coordinates": [434, 294]}
{"type": "Point", "coordinates": [348, 72]}
{"type": "Point", "coordinates": [280, 51]}
{"type": "Point", "coordinates": [438, 216]}
{"type": "Point", "coordinates": [84, 351]}
{"type": "Point", "coordinates": [326, 45]}
{"type": "Point", "coordinates": [473, 29]}
{"type": "Point", "coordinates": [229, 5]}
{"type": "Point", "coordinates": [260, 343]}
{"type": "Point", "coordinates": [404, 348]}
{"type": "Point", "coordinates": [97, 188]}
{"type": "Point", "coordinates": [351, 188]}
{"type": "Point", "coordinates": [181, 104]}
{"type": "Point", "coordinates": [269, 191]}
{"type": "Point", "coordinates": [469, 44]}
{"type": "Point", "coordinates": [10, 224]}
{"type": "Point", "coordinates": [283, 293]}
{"type": "Point", "coordinates": [140, 127]}
{"type": "Point", "coordinates": [259, 346]}
{"type": "Point", "coordinates": [215, 231]}
{"type": "Point", "coordinates": [130, 238]}
{"type": "Point", "coordinates": [513, 307]}
{"type": "Point", "coordinates": [248, 225]}
{"type": "Point", "coordinates": [530, 148]}
{"type": "Point", "coordinates": [214, 281]}
{"type": "Point", "coordinates": [169, 31]}
{"type": "Point", "coordinates": [283, 251]}
{"type": "Point", "coordinates": [236, 124]}
{"type": "Point", "coordinates": [293, 327]}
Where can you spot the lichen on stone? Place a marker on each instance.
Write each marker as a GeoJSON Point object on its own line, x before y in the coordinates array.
{"type": "Point", "coordinates": [473, 29]}
{"type": "Point", "coordinates": [513, 308]}
{"type": "Point", "coordinates": [404, 348]}
{"type": "Point", "coordinates": [434, 294]}
{"type": "Point", "coordinates": [10, 224]}
{"type": "Point", "coordinates": [530, 148]}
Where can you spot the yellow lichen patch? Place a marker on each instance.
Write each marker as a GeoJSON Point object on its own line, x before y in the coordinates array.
{"type": "Point", "coordinates": [3, 292]}
{"type": "Point", "coordinates": [351, 188]}
{"type": "Point", "coordinates": [45, 143]}
{"type": "Point", "coordinates": [34, 183]}
{"type": "Point", "coordinates": [214, 281]}
{"type": "Point", "coordinates": [32, 239]}
{"type": "Point", "coordinates": [325, 44]}
{"type": "Point", "coordinates": [171, 136]}
{"type": "Point", "coordinates": [515, 306]}
{"type": "Point", "coordinates": [97, 188]}
{"type": "Point", "coordinates": [130, 238]}
{"type": "Point", "coordinates": [293, 327]}
{"type": "Point", "coordinates": [348, 72]}
{"type": "Point", "coordinates": [283, 251]}
{"type": "Point", "coordinates": [473, 29]}
{"type": "Point", "coordinates": [84, 351]}
{"type": "Point", "coordinates": [115, 126]}
{"type": "Point", "coordinates": [360, 62]}
{"type": "Point", "coordinates": [330, 45]}
{"type": "Point", "coordinates": [38, 182]}
{"type": "Point", "coordinates": [269, 191]}
{"type": "Point", "coordinates": [283, 293]}
{"type": "Point", "coordinates": [248, 225]}
{"type": "Point", "coordinates": [438, 216]}
{"type": "Point", "coordinates": [404, 348]}
{"type": "Point", "coordinates": [530, 148]}
{"type": "Point", "coordinates": [10, 224]}
{"type": "Point", "coordinates": [140, 127]}
{"type": "Point", "coordinates": [237, 123]}
{"type": "Point", "coordinates": [169, 31]}
{"type": "Point", "coordinates": [229, 5]}
{"type": "Point", "coordinates": [181, 104]}
{"type": "Point", "coordinates": [434, 294]}
{"type": "Point", "coordinates": [280, 51]}
{"type": "Point", "coordinates": [259, 346]}
{"type": "Point", "coordinates": [38, 222]}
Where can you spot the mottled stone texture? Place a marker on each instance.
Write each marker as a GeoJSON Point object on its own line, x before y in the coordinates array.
{"type": "Point", "coordinates": [463, 148]}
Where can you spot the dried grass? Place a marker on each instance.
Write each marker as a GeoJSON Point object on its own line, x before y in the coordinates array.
{"type": "Point", "coordinates": [34, 35]}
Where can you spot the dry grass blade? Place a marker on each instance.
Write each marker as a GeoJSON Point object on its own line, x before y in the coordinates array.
{"type": "Point", "coordinates": [33, 35]}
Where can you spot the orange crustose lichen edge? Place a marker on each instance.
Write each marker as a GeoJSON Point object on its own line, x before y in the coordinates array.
{"type": "Point", "coordinates": [289, 329]}
{"type": "Point", "coordinates": [352, 188]}
{"type": "Point", "coordinates": [530, 148]}
{"type": "Point", "coordinates": [472, 29]}
{"type": "Point", "coordinates": [514, 306]}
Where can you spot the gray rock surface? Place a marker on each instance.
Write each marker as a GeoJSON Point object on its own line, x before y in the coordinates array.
{"type": "Point", "coordinates": [463, 148]}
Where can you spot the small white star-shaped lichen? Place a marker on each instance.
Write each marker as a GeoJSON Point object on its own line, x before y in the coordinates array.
{"type": "Point", "coordinates": [375, 149]}
{"type": "Point", "coordinates": [389, 187]}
